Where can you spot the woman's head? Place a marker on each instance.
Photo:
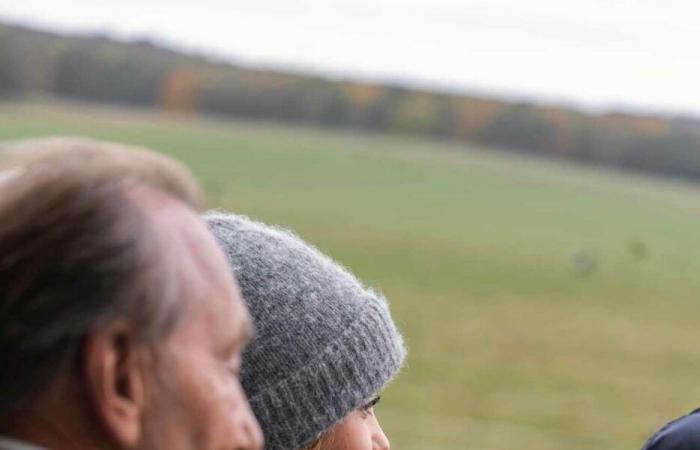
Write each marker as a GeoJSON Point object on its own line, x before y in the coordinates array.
{"type": "Point", "coordinates": [325, 345]}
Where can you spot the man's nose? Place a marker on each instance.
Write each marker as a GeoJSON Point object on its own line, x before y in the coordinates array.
{"type": "Point", "coordinates": [251, 437]}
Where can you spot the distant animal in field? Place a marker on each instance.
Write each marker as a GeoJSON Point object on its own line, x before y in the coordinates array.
{"type": "Point", "coordinates": [638, 249]}
{"type": "Point", "coordinates": [584, 263]}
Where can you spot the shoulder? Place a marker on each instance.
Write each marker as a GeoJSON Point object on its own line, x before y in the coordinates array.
{"type": "Point", "coordinates": [680, 434]}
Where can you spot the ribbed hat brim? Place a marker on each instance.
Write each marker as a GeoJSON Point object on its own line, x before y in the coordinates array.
{"type": "Point", "coordinates": [353, 368]}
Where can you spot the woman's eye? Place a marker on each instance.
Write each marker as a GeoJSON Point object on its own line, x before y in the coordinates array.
{"type": "Point", "coordinates": [367, 408]}
{"type": "Point", "coordinates": [373, 402]}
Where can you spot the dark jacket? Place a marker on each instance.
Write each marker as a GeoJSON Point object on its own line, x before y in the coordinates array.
{"type": "Point", "coordinates": [680, 434]}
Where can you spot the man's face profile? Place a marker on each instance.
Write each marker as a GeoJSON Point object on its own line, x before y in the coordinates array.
{"type": "Point", "coordinates": [122, 324]}
{"type": "Point", "coordinates": [194, 398]}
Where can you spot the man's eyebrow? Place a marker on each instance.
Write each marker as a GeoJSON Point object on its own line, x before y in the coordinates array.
{"type": "Point", "coordinates": [241, 336]}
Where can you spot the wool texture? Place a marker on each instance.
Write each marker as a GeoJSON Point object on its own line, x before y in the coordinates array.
{"type": "Point", "coordinates": [325, 344]}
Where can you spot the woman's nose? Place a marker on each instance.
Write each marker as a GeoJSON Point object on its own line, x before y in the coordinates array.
{"type": "Point", "coordinates": [379, 439]}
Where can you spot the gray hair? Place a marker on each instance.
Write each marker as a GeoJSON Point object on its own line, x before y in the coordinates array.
{"type": "Point", "coordinates": [77, 250]}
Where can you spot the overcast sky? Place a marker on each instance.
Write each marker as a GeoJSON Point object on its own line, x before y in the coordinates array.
{"type": "Point", "coordinates": [643, 54]}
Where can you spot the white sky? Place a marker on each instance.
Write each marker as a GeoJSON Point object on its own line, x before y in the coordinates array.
{"type": "Point", "coordinates": [643, 54]}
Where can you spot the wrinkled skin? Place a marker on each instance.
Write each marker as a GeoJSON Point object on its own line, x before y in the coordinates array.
{"type": "Point", "coordinates": [196, 401]}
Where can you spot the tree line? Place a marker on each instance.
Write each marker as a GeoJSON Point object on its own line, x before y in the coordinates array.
{"type": "Point", "coordinates": [97, 68]}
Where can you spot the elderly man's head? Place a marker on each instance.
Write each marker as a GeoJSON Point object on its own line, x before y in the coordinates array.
{"type": "Point", "coordinates": [121, 324]}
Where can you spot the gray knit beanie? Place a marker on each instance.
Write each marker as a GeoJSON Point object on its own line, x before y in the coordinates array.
{"type": "Point", "coordinates": [325, 344]}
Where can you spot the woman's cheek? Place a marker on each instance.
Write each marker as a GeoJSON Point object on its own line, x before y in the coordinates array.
{"type": "Point", "coordinates": [352, 433]}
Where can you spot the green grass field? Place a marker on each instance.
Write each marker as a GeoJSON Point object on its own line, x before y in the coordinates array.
{"type": "Point", "coordinates": [509, 347]}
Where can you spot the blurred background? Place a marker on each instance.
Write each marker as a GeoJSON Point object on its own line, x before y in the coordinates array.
{"type": "Point", "coordinates": [519, 178]}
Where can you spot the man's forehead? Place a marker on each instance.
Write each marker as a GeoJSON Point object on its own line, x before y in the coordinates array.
{"type": "Point", "coordinates": [206, 281]}
{"type": "Point", "coordinates": [186, 240]}
{"type": "Point", "coordinates": [223, 321]}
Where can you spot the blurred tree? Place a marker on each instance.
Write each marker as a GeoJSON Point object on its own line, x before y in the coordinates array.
{"type": "Point", "coordinates": [9, 76]}
{"type": "Point", "coordinates": [474, 115]}
{"type": "Point", "coordinates": [177, 91]}
{"type": "Point", "coordinates": [520, 125]}
{"type": "Point", "coordinates": [415, 113]}
{"type": "Point", "coordinates": [445, 120]}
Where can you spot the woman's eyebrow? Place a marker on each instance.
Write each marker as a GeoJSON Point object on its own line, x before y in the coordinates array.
{"type": "Point", "coordinates": [372, 402]}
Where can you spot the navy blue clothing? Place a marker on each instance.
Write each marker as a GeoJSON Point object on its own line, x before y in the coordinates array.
{"type": "Point", "coordinates": [680, 434]}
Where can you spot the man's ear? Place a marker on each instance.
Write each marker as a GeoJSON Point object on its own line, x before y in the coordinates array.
{"type": "Point", "coordinates": [113, 363]}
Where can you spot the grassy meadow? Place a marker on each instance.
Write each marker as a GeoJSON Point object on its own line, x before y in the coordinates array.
{"type": "Point", "coordinates": [545, 306]}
